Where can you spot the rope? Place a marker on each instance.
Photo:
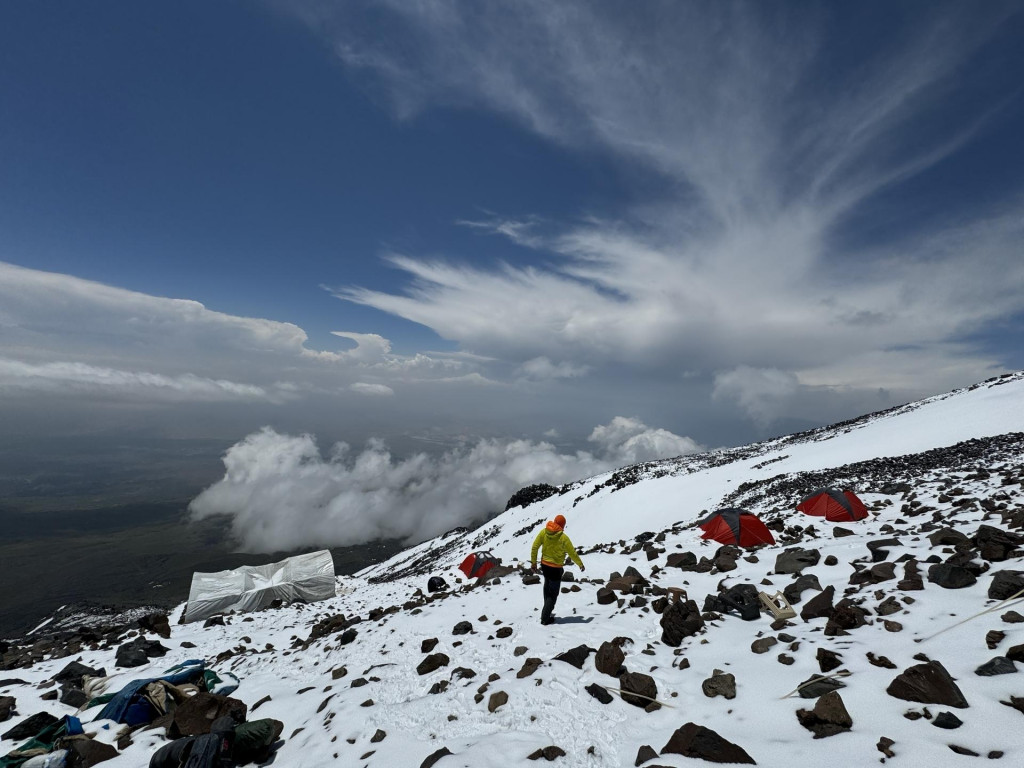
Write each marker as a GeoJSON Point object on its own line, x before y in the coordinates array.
{"type": "Point", "coordinates": [998, 606]}
{"type": "Point", "coordinates": [818, 679]}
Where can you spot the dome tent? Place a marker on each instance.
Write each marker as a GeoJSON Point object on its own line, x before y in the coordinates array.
{"type": "Point", "coordinates": [835, 506]}
{"type": "Point", "coordinates": [735, 526]}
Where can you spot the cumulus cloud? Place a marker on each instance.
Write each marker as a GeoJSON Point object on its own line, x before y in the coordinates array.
{"type": "Point", "coordinates": [541, 369]}
{"type": "Point", "coordinates": [763, 393]}
{"type": "Point", "coordinates": [282, 493]}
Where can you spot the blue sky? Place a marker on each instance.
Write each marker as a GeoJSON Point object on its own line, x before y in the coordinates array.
{"type": "Point", "coordinates": [713, 221]}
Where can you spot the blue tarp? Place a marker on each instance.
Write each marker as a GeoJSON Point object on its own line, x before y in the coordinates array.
{"type": "Point", "coordinates": [126, 706]}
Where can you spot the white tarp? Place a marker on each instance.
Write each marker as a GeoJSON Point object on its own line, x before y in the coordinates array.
{"type": "Point", "coordinates": [308, 577]}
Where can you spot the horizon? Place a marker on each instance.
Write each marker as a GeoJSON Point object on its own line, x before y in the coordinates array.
{"type": "Point", "coordinates": [391, 250]}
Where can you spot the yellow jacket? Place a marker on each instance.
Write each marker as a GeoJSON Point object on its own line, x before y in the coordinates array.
{"type": "Point", "coordinates": [556, 546]}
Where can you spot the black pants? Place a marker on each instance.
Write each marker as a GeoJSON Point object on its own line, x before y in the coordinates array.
{"type": "Point", "coordinates": [552, 585]}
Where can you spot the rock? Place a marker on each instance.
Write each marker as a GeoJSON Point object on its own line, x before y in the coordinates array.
{"type": "Point", "coordinates": [950, 576]}
{"type": "Point", "coordinates": [645, 753]}
{"type": "Point", "coordinates": [531, 494]}
{"type": "Point", "coordinates": [605, 596]}
{"type": "Point", "coordinates": [995, 544]}
{"type": "Point", "coordinates": [911, 580]}
{"type": "Point", "coordinates": [684, 560]}
{"type": "Point", "coordinates": [876, 574]}
{"type": "Point", "coordinates": [796, 559]}
{"type": "Point", "coordinates": [785, 658]}
{"type": "Point", "coordinates": [993, 638]}
{"type": "Point", "coordinates": [433, 662]}
{"type": "Point", "coordinates": [1005, 584]}
{"type": "Point", "coordinates": [720, 684]}
{"type": "Point", "coordinates": [637, 688]}
{"type": "Point", "coordinates": [29, 727]}
{"type": "Point", "coordinates": [378, 737]}
{"type": "Point", "coordinates": [75, 672]}
{"type": "Point", "coordinates": [599, 693]}
{"type": "Point", "coordinates": [839, 532]}
{"type": "Point", "coordinates": [1012, 617]}
{"type": "Point", "coordinates": [947, 537]}
{"type": "Point", "coordinates": [764, 644]}
{"type": "Point", "coordinates": [8, 704]}
{"type": "Point", "coordinates": [1016, 653]}
{"type": "Point", "coordinates": [928, 683]}
{"type": "Point", "coordinates": [1016, 702]}
{"type": "Point", "coordinates": [819, 606]}
{"type": "Point", "coordinates": [816, 686]}
{"type": "Point", "coordinates": [963, 750]}
{"type": "Point", "coordinates": [195, 715]}
{"type": "Point", "coordinates": [520, 650]}
{"type": "Point", "coordinates": [504, 632]}
{"type": "Point", "coordinates": [428, 645]}
{"type": "Point", "coordinates": [828, 717]}
{"type": "Point", "coordinates": [793, 590]}
{"type": "Point", "coordinates": [462, 628]}
{"type": "Point", "coordinates": [531, 578]}
{"type": "Point", "coordinates": [609, 659]}
{"type": "Point", "coordinates": [828, 660]}
{"type": "Point", "coordinates": [680, 620]}
{"type": "Point", "coordinates": [157, 623]}
{"type": "Point", "coordinates": [433, 757]}
{"type": "Point", "coordinates": [576, 656]}
{"type": "Point", "coordinates": [498, 699]}
{"type": "Point", "coordinates": [138, 652]}
{"type": "Point", "coordinates": [889, 606]}
{"type": "Point", "coordinates": [879, 548]}
{"type": "Point", "coordinates": [85, 753]}
{"type": "Point", "coordinates": [692, 740]}
{"type": "Point", "coordinates": [884, 746]}
{"type": "Point", "coordinates": [831, 560]}
{"type": "Point", "coordinates": [947, 720]}
{"type": "Point", "coordinates": [529, 667]}
{"type": "Point", "coordinates": [348, 636]}
{"type": "Point", "coordinates": [880, 661]}
{"type": "Point", "coordinates": [846, 615]}
{"type": "Point", "coordinates": [549, 753]}
{"type": "Point", "coordinates": [75, 697]}
{"type": "Point", "coordinates": [1000, 665]}
{"type": "Point", "coordinates": [463, 673]}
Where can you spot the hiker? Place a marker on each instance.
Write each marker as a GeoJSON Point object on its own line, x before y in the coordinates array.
{"type": "Point", "coordinates": [556, 545]}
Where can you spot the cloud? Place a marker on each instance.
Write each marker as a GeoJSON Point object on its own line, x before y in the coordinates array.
{"type": "Point", "coordinates": [376, 390]}
{"type": "Point", "coordinates": [770, 142]}
{"type": "Point", "coordinates": [282, 493]}
{"type": "Point", "coordinates": [763, 393]}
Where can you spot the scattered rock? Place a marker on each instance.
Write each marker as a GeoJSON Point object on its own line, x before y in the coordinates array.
{"type": "Point", "coordinates": [157, 623]}
{"type": "Point", "coordinates": [609, 659]}
{"type": "Point", "coordinates": [8, 704]}
{"type": "Point", "coordinates": [30, 727]}
{"type": "Point", "coordinates": [1012, 617]}
{"type": "Point", "coordinates": [529, 667]}
{"type": "Point", "coordinates": [950, 576]}
{"type": "Point", "coordinates": [84, 753]}
{"type": "Point", "coordinates": [680, 620]}
{"type": "Point", "coordinates": [764, 644]}
{"type": "Point", "coordinates": [1000, 665]}
{"type": "Point", "coordinates": [1005, 584]}
{"type": "Point", "coordinates": [828, 717]}
{"type": "Point", "coordinates": [928, 683]}
{"type": "Point", "coordinates": [433, 757]}
{"type": "Point", "coordinates": [828, 660]}
{"type": "Point", "coordinates": [816, 686]}
{"type": "Point", "coordinates": [692, 740]}
{"type": "Point", "coordinates": [796, 559]}
{"type": "Point", "coordinates": [504, 632]}
{"type": "Point", "coordinates": [820, 606]}
{"type": "Point", "coordinates": [993, 638]}
{"type": "Point", "coordinates": [720, 684]}
{"type": "Point", "coordinates": [195, 715]}
{"type": "Point", "coordinates": [462, 628]}
{"type": "Point", "coordinates": [645, 753]}
{"type": "Point", "coordinates": [963, 750]}
{"type": "Point", "coordinates": [549, 753]}
{"type": "Point", "coordinates": [576, 656]}
{"type": "Point", "coordinates": [498, 699]}
{"type": "Point", "coordinates": [947, 720]}
{"type": "Point", "coordinates": [884, 746]}
{"type": "Point", "coordinates": [432, 662]}
{"type": "Point", "coordinates": [638, 689]}
{"type": "Point", "coordinates": [599, 693]}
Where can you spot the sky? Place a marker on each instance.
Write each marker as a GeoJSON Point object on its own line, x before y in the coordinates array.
{"type": "Point", "coordinates": [562, 230]}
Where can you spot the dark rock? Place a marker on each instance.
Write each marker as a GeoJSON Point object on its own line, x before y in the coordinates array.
{"type": "Point", "coordinates": [846, 615]}
{"type": "Point", "coordinates": [462, 628]}
{"type": "Point", "coordinates": [549, 753]}
{"type": "Point", "coordinates": [433, 757]}
{"type": "Point", "coordinates": [839, 532]}
{"type": "Point", "coordinates": [195, 715]}
{"type": "Point", "coordinates": [605, 596]}
{"type": "Point", "coordinates": [692, 740]}
{"type": "Point", "coordinates": [831, 560]}
{"type": "Point", "coordinates": [463, 673]}
{"type": "Point", "coordinates": [609, 659]}
{"type": "Point", "coordinates": [828, 660]}
{"type": "Point", "coordinates": [338, 672]}
{"type": "Point", "coordinates": [947, 720]}
{"type": "Point", "coordinates": [428, 645]}
{"type": "Point", "coordinates": [764, 644]}
{"type": "Point", "coordinates": [1012, 617]}
{"type": "Point", "coordinates": [576, 656]}
{"type": "Point", "coordinates": [993, 638]}
{"type": "Point", "coordinates": [820, 606]}
{"type": "Point", "coordinates": [156, 622]}
{"type": "Point", "coordinates": [85, 753]}
{"type": "Point", "coordinates": [1016, 653]}
{"type": "Point", "coordinates": [504, 632]}
{"type": "Point", "coordinates": [529, 667]}
{"type": "Point", "coordinates": [816, 686]}
{"type": "Point", "coordinates": [8, 704]}
{"type": "Point", "coordinates": [950, 576]}
{"type": "Point", "coordinates": [531, 578]}
{"type": "Point", "coordinates": [138, 652]}
{"type": "Point", "coordinates": [1016, 702]}
{"type": "Point", "coordinates": [599, 693]}
{"type": "Point", "coordinates": [928, 683]}
{"type": "Point", "coordinates": [880, 661]}
{"type": "Point", "coordinates": [796, 559]}
{"type": "Point", "coordinates": [637, 688]}
{"type": "Point", "coordinates": [680, 620]}
{"type": "Point", "coordinates": [213, 621]}
{"type": "Point", "coordinates": [498, 699]}
{"type": "Point", "coordinates": [432, 662]}
{"type": "Point", "coordinates": [828, 717]}
{"type": "Point", "coordinates": [720, 684]}
{"type": "Point", "coordinates": [995, 544]}
{"type": "Point", "coordinates": [29, 727]}
{"type": "Point", "coordinates": [378, 737]}
{"type": "Point", "coordinates": [793, 590]}
{"type": "Point", "coordinates": [785, 658]}
{"type": "Point", "coordinates": [889, 606]}
{"type": "Point", "coordinates": [876, 574]}
{"type": "Point", "coordinates": [73, 697]}
{"type": "Point", "coordinates": [684, 560]}
{"type": "Point", "coordinates": [1005, 584]}
{"type": "Point", "coordinates": [911, 581]}
{"type": "Point", "coordinates": [74, 673]}
{"type": "Point", "coordinates": [884, 746]}
{"type": "Point", "coordinates": [963, 750]}
{"type": "Point", "coordinates": [1000, 665]}
{"type": "Point", "coordinates": [531, 494]}
{"type": "Point", "coordinates": [645, 753]}
{"type": "Point", "coordinates": [947, 537]}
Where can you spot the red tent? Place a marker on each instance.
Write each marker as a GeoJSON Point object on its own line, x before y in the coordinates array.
{"type": "Point", "coordinates": [736, 526]}
{"type": "Point", "coordinates": [835, 506]}
{"type": "Point", "coordinates": [476, 565]}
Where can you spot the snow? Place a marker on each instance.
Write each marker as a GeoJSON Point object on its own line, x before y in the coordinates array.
{"type": "Point", "coordinates": [551, 706]}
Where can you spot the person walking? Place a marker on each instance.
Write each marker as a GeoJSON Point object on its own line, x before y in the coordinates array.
{"type": "Point", "coordinates": [554, 545]}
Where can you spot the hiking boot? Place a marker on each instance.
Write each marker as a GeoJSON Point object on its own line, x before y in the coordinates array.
{"type": "Point", "coordinates": [548, 620]}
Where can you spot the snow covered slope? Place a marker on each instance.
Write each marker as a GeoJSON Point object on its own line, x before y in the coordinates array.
{"type": "Point", "coordinates": [353, 696]}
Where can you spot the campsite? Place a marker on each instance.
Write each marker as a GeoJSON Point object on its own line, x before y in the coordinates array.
{"type": "Point", "coordinates": [903, 643]}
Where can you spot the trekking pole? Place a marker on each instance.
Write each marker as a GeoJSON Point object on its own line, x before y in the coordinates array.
{"type": "Point", "coordinates": [998, 606]}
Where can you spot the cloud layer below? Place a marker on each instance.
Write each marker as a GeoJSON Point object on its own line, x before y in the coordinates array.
{"type": "Point", "coordinates": [282, 493]}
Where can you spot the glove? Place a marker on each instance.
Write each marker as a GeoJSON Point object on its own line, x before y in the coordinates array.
{"type": "Point", "coordinates": [533, 566]}
{"type": "Point", "coordinates": [583, 568]}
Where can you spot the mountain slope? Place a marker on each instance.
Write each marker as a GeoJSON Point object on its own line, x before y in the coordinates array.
{"type": "Point", "coordinates": [954, 461]}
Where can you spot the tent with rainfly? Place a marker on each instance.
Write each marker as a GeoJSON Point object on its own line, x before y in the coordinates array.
{"type": "Point", "coordinates": [477, 564]}
{"type": "Point", "coordinates": [735, 526]}
{"type": "Point", "coordinates": [835, 506]}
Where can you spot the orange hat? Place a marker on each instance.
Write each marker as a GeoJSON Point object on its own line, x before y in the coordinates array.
{"type": "Point", "coordinates": [560, 520]}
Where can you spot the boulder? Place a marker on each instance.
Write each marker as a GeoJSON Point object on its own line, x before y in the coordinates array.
{"type": "Point", "coordinates": [816, 686]}
{"type": "Point", "coordinates": [927, 683]}
{"type": "Point", "coordinates": [8, 704]}
{"type": "Point", "coordinates": [1005, 584]}
{"type": "Point", "coordinates": [683, 560]}
{"type": "Point", "coordinates": [433, 757]}
{"type": "Point", "coordinates": [720, 684]}
{"type": "Point", "coordinates": [876, 574]}
{"type": "Point", "coordinates": [157, 623]}
{"type": "Point", "coordinates": [947, 720]}
{"type": "Point", "coordinates": [85, 753]}
{"type": "Point", "coordinates": [550, 753]}
{"type": "Point", "coordinates": [796, 559]}
{"type": "Point", "coordinates": [576, 656]}
{"type": "Point", "coordinates": [195, 715]}
{"type": "Point", "coordinates": [764, 644]}
{"type": "Point", "coordinates": [828, 717]}
{"type": "Point", "coordinates": [609, 659]}
{"type": "Point", "coordinates": [680, 620]}
{"type": "Point", "coordinates": [529, 667]}
{"type": "Point", "coordinates": [995, 544]}
{"type": "Point", "coordinates": [820, 606]}
{"type": "Point", "coordinates": [1000, 665]}
{"type": "Point", "coordinates": [462, 628]}
{"type": "Point", "coordinates": [793, 590]}
{"type": "Point", "coordinates": [828, 660]}
{"type": "Point", "coordinates": [644, 754]}
{"type": "Point", "coordinates": [29, 727]}
{"type": "Point", "coordinates": [605, 596]}
{"type": "Point", "coordinates": [692, 740]}
{"type": "Point", "coordinates": [498, 699]}
{"type": "Point", "coordinates": [433, 662]}
{"type": "Point", "coordinates": [632, 683]}
{"type": "Point", "coordinates": [428, 645]}
{"type": "Point", "coordinates": [847, 615]}
{"type": "Point", "coordinates": [950, 576]}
